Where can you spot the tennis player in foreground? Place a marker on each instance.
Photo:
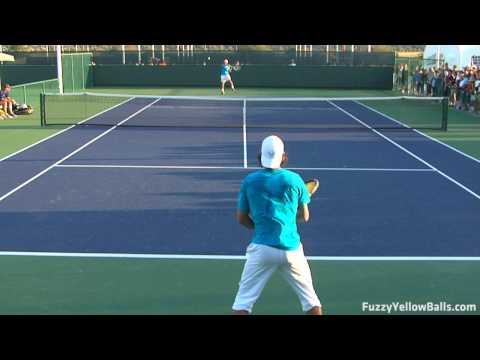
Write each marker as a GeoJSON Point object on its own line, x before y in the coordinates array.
{"type": "Point", "coordinates": [225, 76]}
{"type": "Point", "coordinates": [271, 202]}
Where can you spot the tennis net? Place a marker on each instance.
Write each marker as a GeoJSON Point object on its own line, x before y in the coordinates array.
{"type": "Point", "coordinates": [90, 109]}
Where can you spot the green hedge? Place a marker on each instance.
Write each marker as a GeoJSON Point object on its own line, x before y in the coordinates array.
{"type": "Point", "coordinates": [341, 77]}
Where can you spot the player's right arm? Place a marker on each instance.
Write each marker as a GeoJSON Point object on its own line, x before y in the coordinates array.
{"type": "Point", "coordinates": [245, 220]}
{"type": "Point", "coordinates": [303, 213]}
{"type": "Point", "coordinates": [243, 209]}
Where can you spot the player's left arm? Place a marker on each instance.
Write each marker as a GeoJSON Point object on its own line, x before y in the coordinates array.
{"type": "Point", "coordinates": [243, 209]}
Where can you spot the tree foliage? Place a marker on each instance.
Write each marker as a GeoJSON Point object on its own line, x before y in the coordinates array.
{"type": "Point", "coordinates": [255, 47]}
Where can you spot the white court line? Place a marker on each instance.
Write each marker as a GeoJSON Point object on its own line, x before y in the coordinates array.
{"type": "Point", "coordinates": [62, 131]}
{"type": "Point", "coordinates": [245, 164]}
{"type": "Point", "coordinates": [74, 152]}
{"type": "Point", "coordinates": [230, 167]}
{"type": "Point", "coordinates": [421, 133]}
{"type": "Point", "coordinates": [363, 169]}
{"type": "Point", "coordinates": [409, 152]}
{"type": "Point", "coordinates": [151, 167]}
{"type": "Point", "coordinates": [235, 257]}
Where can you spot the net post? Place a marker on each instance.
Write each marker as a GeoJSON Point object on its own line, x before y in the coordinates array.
{"type": "Point", "coordinates": [445, 113]}
{"type": "Point", "coordinates": [24, 94]}
{"type": "Point", "coordinates": [42, 109]}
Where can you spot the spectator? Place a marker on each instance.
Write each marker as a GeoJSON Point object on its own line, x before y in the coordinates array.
{"type": "Point", "coordinates": [6, 102]}
{"type": "Point", "coordinates": [292, 63]}
{"type": "Point", "coordinates": [404, 78]}
{"type": "Point", "coordinates": [396, 75]}
{"type": "Point", "coordinates": [441, 83]}
{"type": "Point", "coordinates": [450, 87]}
{"type": "Point", "coordinates": [462, 86]}
{"type": "Point", "coordinates": [429, 81]}
{"type": "Point", "coordinates": [470, 94]}
{"type": "Point", "coordinates": [411, 84]}
{"type": "Point", "coordinates": [434, 81]}
{"type": "Point", "coordinates": [418, 81]}
{"type": "Point", "coordinates": [398, 83]}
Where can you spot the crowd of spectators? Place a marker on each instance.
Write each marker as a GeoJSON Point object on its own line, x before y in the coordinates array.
{"type": "Point", "coordinates": [460, 85]}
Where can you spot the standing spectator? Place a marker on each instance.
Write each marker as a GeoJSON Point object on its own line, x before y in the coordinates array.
{"type": "Point", "coordinates": [429, 81]}
{"type": "Point", "coordinates": [477, 81]}
{"type": "Point", "coordinates": [463, 92]}
{"type": "Point", "coordinates": [470, 95]}
{"type": "Point", "coordinates": [396, 75]}
{"type": "Point", "coordinates": [404, 78]}
{"type": "Point", "coordinates": [411, 84]}
{"type": "Point", "coordinates": [401, 77]}
{"type": "Point", "coordinates": [434, 82]}
{"type": "Point", "coordinates": [418, 81]}
{"type": "Point", "coordinates": [450, 87]}
{"type": "Point", "coordinates": [441, 83]}
{"type": "Point", "coordinates": [477, 93]}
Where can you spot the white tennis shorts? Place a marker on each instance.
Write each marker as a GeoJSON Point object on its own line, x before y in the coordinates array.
{"type": "Point", "coordinates": [224, 78]}
{"type": "Point", "coordinates": [262, 262]}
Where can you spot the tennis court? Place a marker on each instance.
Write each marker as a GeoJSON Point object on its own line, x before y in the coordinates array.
{"type": "Point", "coordinates": [132, 211]}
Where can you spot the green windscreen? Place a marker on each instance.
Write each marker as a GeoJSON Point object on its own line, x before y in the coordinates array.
{"type": "Point", "coordinates": [76, 72]}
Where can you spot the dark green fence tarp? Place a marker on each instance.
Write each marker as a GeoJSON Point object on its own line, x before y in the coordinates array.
{"type": "Point", "coordinates": [21, 74]}
{"type": "Point", "coordinates": [199, 57]}
{"type": "Point", "coordinates": [76, 72]}
{"type": "Point", "coordinates": [340, 77]}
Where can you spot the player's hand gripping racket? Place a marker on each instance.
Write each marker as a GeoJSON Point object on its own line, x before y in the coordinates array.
{"type": "Point", "coordinates": [312, 186]}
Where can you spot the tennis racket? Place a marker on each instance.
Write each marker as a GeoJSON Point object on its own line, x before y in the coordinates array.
{"type": "Point", "coordinates": [312, 186]}
{"type": "Point", "coordinates": [236, 67]}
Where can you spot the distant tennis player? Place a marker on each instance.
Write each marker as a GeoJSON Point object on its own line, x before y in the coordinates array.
{"type": "Point", "coordinates": [271, 202]}
{"type": "Point", "coordinates": [225, 76]}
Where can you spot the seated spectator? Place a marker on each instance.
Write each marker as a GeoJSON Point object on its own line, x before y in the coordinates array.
{"type": "Point", "coordinates": [6, 102]}
{"type": "Point", "coordinates": [3, 115]}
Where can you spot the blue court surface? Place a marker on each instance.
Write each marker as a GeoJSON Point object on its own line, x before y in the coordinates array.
{"type": "Point", "coordinates": [171, 192]}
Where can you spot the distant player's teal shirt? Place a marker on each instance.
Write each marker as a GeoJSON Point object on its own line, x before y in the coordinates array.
{"type": "Point", "coordinates": [225, 70]}
{"type": "Point", "coordinates": [272, 198]}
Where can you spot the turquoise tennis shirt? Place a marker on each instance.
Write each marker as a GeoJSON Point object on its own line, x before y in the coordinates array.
{"type": "Point", "coordinates": [272, 198]}
{"type": "Point", "coordinates": [225, 69]}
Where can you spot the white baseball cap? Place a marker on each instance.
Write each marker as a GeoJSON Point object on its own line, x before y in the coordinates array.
{"type": "Point", "coordinates": [272, 152]}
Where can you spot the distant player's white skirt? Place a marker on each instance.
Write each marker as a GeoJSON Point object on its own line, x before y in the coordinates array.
{"type": "Point", "coordinates": [225, 78]}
